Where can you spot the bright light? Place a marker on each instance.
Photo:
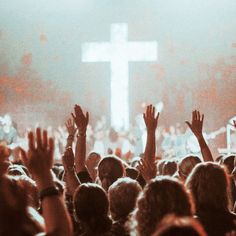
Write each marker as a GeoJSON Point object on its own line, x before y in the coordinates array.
{"type": "Point", "coordinates": [119, 52]}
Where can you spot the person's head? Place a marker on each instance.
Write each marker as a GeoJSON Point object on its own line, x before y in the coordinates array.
{"type": "Point", "coordinates": [29, 188]}
{"type": "Point", "coordinates": [228, 162]}
{"type": "Point", "coordinates": [186, 165]}
{"type": "Point", "coordinates": [91, 208]}
{"type": "Point", "coordinates": [14, 203]}
{"type": "Point", "coordinates": [92, 163]}
{"type": "Point", "coordinates": [169, 167]}
{"type": "Point", "coordinates": [110, 169]}
{"type": "Point", "coordinates": [209, 185]}
{"type": "Point", "coordinates": [131, 172]}
{"type": "Point", "coordinates": [135, 161]}
{"type": "Point", "coordinates": [179, 226]}
{"type": "Point", "coordinates": [122, 196]}
{"type": "Point", "coordinates": [161, 196]}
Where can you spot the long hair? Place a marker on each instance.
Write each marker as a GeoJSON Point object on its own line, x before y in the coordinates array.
{"type": "Point", "coordinates": [209, 185]}
{"type": "Point", "coordinates": [162, 196]}
{"type": "Point", "coordinates": [91, 208]}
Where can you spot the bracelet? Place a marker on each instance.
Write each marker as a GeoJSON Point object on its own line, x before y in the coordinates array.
{"type": "Point", "coordinates": [49, 192]}
{"type": "Point", "coordinates": [81, 135]}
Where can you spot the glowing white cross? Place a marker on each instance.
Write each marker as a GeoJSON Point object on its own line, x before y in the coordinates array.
{"type": "Point", "coordinates": [119, 52]}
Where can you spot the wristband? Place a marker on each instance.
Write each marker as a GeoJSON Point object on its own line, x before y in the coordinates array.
{"type": "Point", "coordinates": [81, 135]}
{"type": "Point", "coordinates": [49, 192]}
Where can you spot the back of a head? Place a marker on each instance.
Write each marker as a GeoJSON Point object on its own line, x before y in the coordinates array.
{"type": "Point", "coordinates": [162, 196]}
{"type": "Point", "coordinates": [209, 186]}
{"type": "Point", "coordinates": [14, 218]}
{"type": "Point", "coordinates": [228, 162]}
{"type": "Point", "coordinates": [176, 226]}
{"type": "Point", "coordinates": [122, 197]}
{"type": "Point", "coordinates": [169, 167]}
{"type": "Point", "coordinates": [186, 165]}
{"type": "Point", "coordinates": [91, 207]}
{"type": "Point", "coordinates": [110, 169]}
{"type": "Point", "coordinates": [131, 172]}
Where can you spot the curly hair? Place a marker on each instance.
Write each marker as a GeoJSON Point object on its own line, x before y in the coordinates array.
{"type": "Point", "coordinates": [162, 196]}
{"type": "Point", "coordinates": [122, 196]}
{"type": "Point", "coordinates": [209, 185]}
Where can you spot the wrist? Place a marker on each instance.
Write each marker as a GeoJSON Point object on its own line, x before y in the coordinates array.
{"type": "Point", "coordinates": [71, 136]}
{"type": "Point", "coordinates": [82, 131]}
{"type": "Point", "coordinates": [44, 181]}
{"type": "Point", "coordinates": [151, 132]}
{"type": "Point", "coordinates": [70, 169]}
{"type": "Point", "coordinates": [81, 135]}
{"type": "Point", "coordinates": [49, 192]}
{"type": "Point", "coordinates": [199, 136]}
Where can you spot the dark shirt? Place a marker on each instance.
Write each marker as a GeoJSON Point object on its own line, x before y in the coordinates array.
{"type": "Point", "coordinates": [217, 223]}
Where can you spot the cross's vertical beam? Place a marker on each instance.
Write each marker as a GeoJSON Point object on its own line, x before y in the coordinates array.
{"type": "Point", "coordinates": [119, 52]}
{"type": "Point", "coordinates": [119, 77]}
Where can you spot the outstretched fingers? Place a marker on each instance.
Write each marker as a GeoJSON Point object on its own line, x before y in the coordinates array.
{"type": "Point", "coordinates": [24, 157]}
{"type": "Point", "coordinates": [31, 141]}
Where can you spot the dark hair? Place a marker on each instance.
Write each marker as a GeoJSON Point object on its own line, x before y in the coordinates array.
{"type": "Point", "coordinates": [110, 169]}
{"type": "Point", "coordinates": [91, 208]}
{"type": "Point", "coordinates": [14, 203]}
{"type": "Point", "coordinates": [179, 226]}
{"type": "Point", "coordinates": [161, 196]}
{"type": "Point", "coordinates": [186, 165]}
{"type": "Point", "coordinates": [122, 197]}
{"type": "Point", "coordinates": [131, 172]}
{"type": "Point", "coordinates": [169, 167]}
{"type": "Point", "coordinates": [209, 185]}
{"type": "Point", "coordinates": [228, 162]}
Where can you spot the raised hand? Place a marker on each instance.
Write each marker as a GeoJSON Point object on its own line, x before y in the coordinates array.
{"type": "Point", "coordinates": [70, 125]}
{"type": "Point", "coordinates": [80, 119]}
{"type": "Point", "coordinates": [39, 159]}
{"type": "Point", "coordinates": [150, 119]}
{"type": "Point", "coordinates": [197, 124]}
{"type": "Point", "coordinates": [68, 159]}
{"type": "Point", "coordinates": [196, 127]}
{"type": "Point", "coordinates": [151, 122]}
{"type": "Point", "coordinates": [147, 170]}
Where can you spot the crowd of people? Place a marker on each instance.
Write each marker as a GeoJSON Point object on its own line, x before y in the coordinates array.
{"type": "Point", "coordinates": [115, 194]}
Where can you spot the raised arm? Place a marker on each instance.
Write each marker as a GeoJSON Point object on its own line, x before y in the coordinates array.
{"type": "Point", "coordinates": [151, 121]}
{"type": "Point", "coordinates": [196, 127]}
{"type": "Point", "coordinates": [81, 121]}
{"type": "Point", "coordinates": [39, 161]}
{"type": "Point", "coordinates": [72, 182]}
{"type": "Point", "coordinates": [70, 126]}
